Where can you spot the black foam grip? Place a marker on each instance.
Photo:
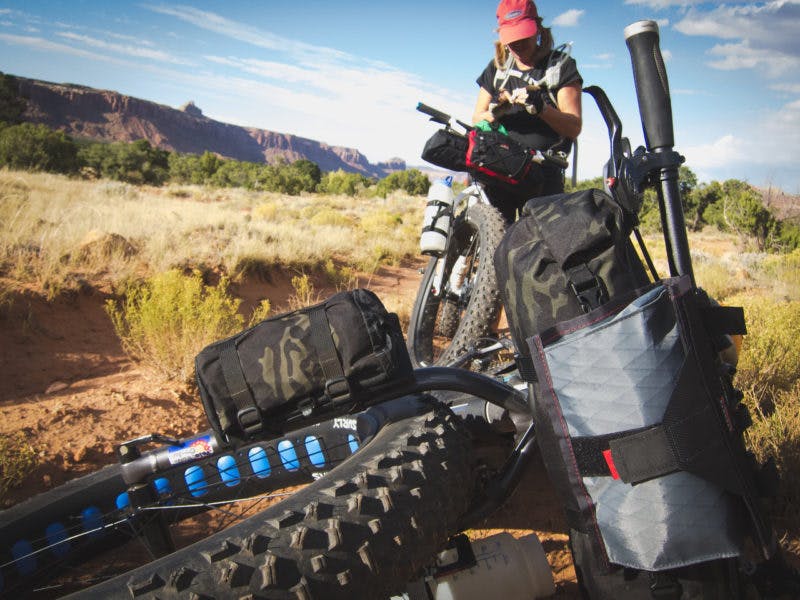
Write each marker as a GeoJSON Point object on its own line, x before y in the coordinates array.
{"type": "Point", "coordinates": [652, 87]}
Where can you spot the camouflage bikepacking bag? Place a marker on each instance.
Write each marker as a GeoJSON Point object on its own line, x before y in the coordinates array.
{"type": "Point", "coordinates": [566, 255]}
{"type": "Point", "coordinates": [306, 365]}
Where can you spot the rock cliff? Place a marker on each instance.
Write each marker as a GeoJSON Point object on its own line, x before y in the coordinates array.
{"type": "Point", "coordinates": [106, 115]}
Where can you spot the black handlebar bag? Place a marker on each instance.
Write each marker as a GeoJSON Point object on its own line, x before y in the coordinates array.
{"type": "Point", "coordinates": [641, 432]}
{"type": "Point", "coordinates": [301, 367]}
{"type": "Point", "coordinates": [446, 149]}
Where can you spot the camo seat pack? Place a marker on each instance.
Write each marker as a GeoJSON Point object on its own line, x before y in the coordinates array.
{"type": "Point", "coordinates": [310, 363]}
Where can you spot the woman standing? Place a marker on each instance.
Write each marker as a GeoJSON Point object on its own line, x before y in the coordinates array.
{"type": "Point", "coordinates": [546, 119]}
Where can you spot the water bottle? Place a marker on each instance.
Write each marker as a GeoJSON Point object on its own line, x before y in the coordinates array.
{"type": "Point", "coordinates": [438, 215]}
{"type": "Point", "coordinates": [503, 567]}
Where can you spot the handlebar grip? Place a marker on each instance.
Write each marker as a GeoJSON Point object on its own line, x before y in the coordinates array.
{"type": "Point", "coordinates": [652, 87]}
{"type": "Point", "coordinates": [435, 114]}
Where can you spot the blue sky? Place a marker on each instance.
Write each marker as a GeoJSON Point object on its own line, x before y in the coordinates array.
{"type": "Point", "coordinates": [350, 73]}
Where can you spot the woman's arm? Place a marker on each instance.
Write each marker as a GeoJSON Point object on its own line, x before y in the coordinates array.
{"type": "Point", "coordinates": [482, 112]}
{"type": "Point", "coordinates": [565, 120]}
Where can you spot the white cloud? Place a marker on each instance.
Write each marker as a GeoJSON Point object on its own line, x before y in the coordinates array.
{"type": "Point", "coordinates": [140, 50]}
{"type": "Point", "coordinates": [718, 153]}
{"type": "Point", "coordinates": [247, 33]}
{"type": "Point", "coordinates": [569, 18]}
{"type": "Point", "coordinates": [772, 143]}
{"type": "Point", "coordinates": [320, 91]}
{"type": "Point", "coordinates": [791, 88]}
{"type": "Point", "coordinates": [661, 4]}
{"type": "Point", "coordinates": [44, 45]}
{"type": "Point", "coordinates": [770, 27]}
{"type": "Point", "coordinates": [741, 55]}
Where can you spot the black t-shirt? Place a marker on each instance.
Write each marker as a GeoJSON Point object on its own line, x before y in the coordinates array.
{"type": "Point", "coordinates": [530, 129]}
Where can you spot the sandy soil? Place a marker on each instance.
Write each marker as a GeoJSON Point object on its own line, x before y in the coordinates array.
{"type": "Point", "coordinates": [69, 386]}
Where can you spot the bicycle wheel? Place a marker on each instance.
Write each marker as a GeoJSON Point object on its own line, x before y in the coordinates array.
{"type": "Point", "coordinates": [51, 536]}
{"type": "Point", "coordinates": [458, 299]}
{"type": "Point", "coordinates": [361, 530]}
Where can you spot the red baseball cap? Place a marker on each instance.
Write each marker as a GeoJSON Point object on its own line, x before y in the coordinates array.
{"type": "Point", "coordinates": [516, 20]}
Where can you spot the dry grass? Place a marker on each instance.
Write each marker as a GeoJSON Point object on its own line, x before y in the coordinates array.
{"type": "Point", "coordinates": [726, 265]}
{"type": "Point", "coordinates": [58, 233]}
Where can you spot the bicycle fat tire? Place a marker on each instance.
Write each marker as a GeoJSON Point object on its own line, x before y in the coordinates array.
{"type": "Point", "coordinates": [476, 231]}
{"type": "Point", "coordinates": [361, 531]}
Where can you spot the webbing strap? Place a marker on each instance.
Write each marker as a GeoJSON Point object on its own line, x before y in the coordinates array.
{"type": "Point", "coordinates": [642, 456]}
{"type": "Point", "coordinates": [722, 320]}
{"type": "Point", "coordinates": [336, 386]}
{"type": "Point", "coordinates": [247, 412]}
{"type": "Point", "coordinates": [525, 367]}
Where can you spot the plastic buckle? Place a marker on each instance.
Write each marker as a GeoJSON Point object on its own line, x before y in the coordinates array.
{"type": "Point", "coordinates": [249, 420]}
{"type": "Point", "coordinates": [590, 294]}
{"type": "Point", "coordinates": [337, 397]}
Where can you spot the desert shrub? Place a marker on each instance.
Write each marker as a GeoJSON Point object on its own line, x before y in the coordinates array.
{"type": "Point", "coordinates": [193, 168]}
{"type": "Point", "coordinates": [37, 148]}
{"type": "Point", "coordinates": [166, 320]}
{"type": "Point", "coordinates": [136, 162]}
{"type": "Point", "coordinates": [262, 311]}
{"type": "Point", "coordinates": [717, 278]}
{"type": "Point", "coordinates": [585, 184]}
{"type": "Point", "coordinates": [771, 350]}
{"type": "Point", "coordinates": [17, 459]}
{"type": "Point", "coordinates": [267, 211]}
{"type": "Point", "coordinates": [769, 375]}
{"type": "Point", "coordinates": [330, 216]}
{"type": "Point", "coordinates": [304, 293]}
{"type": "Point", "coordinates": [341, 182]}
{"type": "Point", "coordinates": [411, 181]}
{"type": "Point", "coordinates": [788, 236]}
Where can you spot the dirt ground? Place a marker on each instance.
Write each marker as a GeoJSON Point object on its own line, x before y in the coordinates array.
{"type": "Point", "coordinates": [69, 386]}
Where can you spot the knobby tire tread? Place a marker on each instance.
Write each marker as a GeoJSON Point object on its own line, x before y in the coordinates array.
{"type": "Point", "coordinates": [362, 531]}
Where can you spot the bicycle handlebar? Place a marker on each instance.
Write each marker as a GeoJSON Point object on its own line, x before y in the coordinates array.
{"type": "Point", "coordinates": [443, 118]}
{"type": "Point", "coordinates": [435, 115]}
{"type": "Point", "coordinates": [652, 87]}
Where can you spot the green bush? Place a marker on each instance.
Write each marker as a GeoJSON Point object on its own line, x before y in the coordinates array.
{"type": "Point", "coordinates": [37, 148]}
{"type": "Point", "coordinates": [136, 162]}
{"type": "Point", "coordinates": [411, 181]}
{"type": "Point", "coordinates": [342, 182]}
{"type": "Point", "coordinates": [168, 319]}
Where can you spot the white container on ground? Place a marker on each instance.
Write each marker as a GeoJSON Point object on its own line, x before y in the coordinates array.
{"type": "Point", "coordinates": [437, 218]}
{"type": "Point", "coordinates": [507, 568]}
